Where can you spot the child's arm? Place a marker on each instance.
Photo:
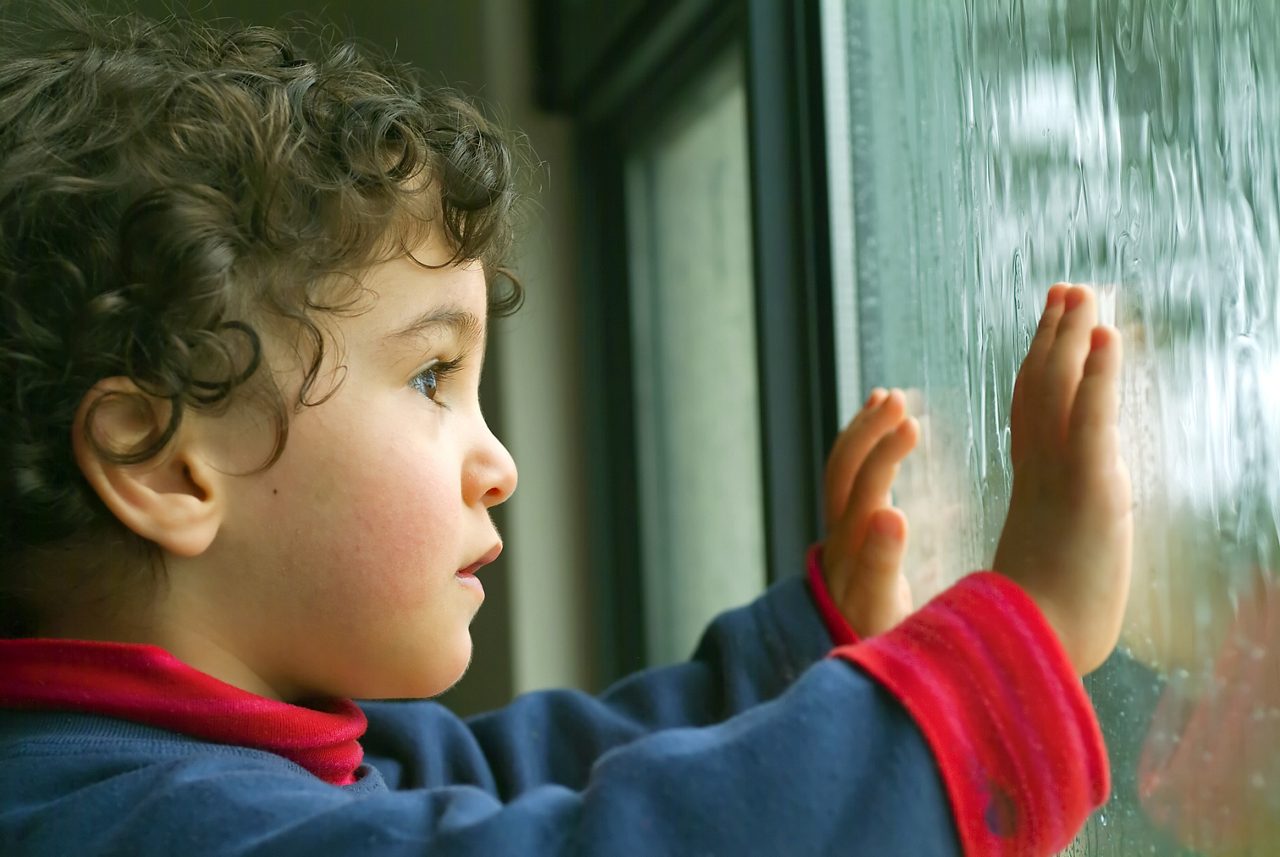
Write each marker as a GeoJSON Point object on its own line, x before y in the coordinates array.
{"type": "Point", "coordinates": [833, 766]}
{"type": "Point", "coordinates": [746, 657]}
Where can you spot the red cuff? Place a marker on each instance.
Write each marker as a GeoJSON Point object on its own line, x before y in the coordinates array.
{"type": "Point", "coordinates": [842, 633]}
{"type": "Point", "coordinates": [1016, 740]}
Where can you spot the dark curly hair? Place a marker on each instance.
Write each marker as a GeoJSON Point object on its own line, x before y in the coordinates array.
{"type": "Point", "coordinates": [166, 187]}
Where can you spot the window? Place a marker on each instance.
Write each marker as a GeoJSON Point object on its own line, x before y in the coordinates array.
{"type": "Point", "coordinates": [694, 353]}
{"type": "Point", "coordinates": [987, 150]}
{"type": "Point", "coordinates": [707, 344]}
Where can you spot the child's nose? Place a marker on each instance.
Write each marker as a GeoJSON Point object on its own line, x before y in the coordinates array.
{"type": "Point", "coordinates": [492, 475]}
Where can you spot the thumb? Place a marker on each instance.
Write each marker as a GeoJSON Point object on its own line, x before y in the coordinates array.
{"type": "Point", "coordinates": [873, 599]}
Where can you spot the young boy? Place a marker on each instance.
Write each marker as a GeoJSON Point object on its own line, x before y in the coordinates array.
{"type": "Point", "coordinates": [247, 480]}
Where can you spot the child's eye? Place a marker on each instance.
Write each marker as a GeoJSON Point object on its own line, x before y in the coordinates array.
{"type": "Point", "coordinates": [428, 381]}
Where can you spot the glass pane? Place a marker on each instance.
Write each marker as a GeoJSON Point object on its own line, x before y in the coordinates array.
{"type": "Point", "coordinates": [996, 147]}
{"type": "Point", "coordinates": [697, 404]}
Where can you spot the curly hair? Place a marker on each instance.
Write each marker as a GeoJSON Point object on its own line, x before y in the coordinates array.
{"type": "Point", "coordinates": [165, 183]}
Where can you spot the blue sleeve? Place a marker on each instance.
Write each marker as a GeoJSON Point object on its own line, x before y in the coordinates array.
{"type": "Point", "coordinates": [748, 748]}
{"type": "Point", "coordinates": [832, 766]}
{"type": "Point", "coordinates": [745, 657]}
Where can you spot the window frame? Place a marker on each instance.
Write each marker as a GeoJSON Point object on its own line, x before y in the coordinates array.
{"type": "Point", "coordinates": [611, 88]}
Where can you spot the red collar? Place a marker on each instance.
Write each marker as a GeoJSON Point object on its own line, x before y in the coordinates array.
{"type": "Point", "coordinates": [148, 685]}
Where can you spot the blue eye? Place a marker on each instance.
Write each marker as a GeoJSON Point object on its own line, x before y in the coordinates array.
{"type": "Point", "coordinates": [427, 382]}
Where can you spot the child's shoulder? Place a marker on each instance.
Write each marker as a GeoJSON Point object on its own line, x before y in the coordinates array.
{"type": "Point", "coordinates": [87, 747]}
{"type": "Point", "coordinates": [79, 783]}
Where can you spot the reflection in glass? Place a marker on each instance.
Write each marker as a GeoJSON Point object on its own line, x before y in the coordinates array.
{"type": "Point", "coordinates": [693, 328]}
{"type": "Point", "coordinates": [997, 146]}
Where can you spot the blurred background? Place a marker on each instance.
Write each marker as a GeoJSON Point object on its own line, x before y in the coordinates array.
{"type": "Point", "coordinates": [748, 212]}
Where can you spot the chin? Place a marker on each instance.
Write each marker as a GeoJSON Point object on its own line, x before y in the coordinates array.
{"type": "Point", "coordinates": [420, 674]}
{"type": "Point", "coordinates": [453, 676]}
{"type": "Point", "coordinates": [444, 672]}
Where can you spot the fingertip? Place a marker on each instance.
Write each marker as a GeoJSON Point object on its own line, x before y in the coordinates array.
{"type": "Point", "coordinates": [1104, 336]}
{"type": "Point", "coordinates": [1055, 307]}
{"type": "Point", "coordinates": [895, 400]}
{"type": "Point", "coordinates": [905, 437]}
{"type": "Point", "coordinates": [889, 524]}
{"type": "Point", "coordinates": [1104, 350]}
{"type": "Point", "coordinates": [875, 398]}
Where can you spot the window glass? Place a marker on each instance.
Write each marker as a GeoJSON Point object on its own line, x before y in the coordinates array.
{"type": "Point", "coordinates": [992, 148]}
{"type": "Point", "coordinates": [697, 401]}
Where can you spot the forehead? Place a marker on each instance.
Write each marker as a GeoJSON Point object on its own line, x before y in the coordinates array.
{"type": "Point", "coordinates": [411, 290]}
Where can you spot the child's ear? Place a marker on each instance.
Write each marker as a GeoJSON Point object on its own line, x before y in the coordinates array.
{"type": "Point", "coordinates": [174, 499]}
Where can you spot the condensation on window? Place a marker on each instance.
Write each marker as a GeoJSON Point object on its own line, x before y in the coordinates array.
{"type": "Point", "coordinates": [995, 147]}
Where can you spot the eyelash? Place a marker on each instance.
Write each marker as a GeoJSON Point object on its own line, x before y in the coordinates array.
{"type": "Point", "coordinates": [440, 370]}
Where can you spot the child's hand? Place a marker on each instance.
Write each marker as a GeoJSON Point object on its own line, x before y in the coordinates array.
{"type": "Point", "coordinates": [1068, 538]}
{"type": "Point", "coordinates": [867, 537]}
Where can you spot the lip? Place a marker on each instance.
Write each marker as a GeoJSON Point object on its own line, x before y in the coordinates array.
{"type": "Point", "coordinates": [488, 557]}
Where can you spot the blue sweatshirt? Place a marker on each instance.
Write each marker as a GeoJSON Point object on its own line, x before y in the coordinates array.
{"type": "Point", "coordinates": [760, 744]}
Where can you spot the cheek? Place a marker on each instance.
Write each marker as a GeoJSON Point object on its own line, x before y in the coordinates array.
{"type": "Point", "coordinates": [375, 529]}
{"type": "Point", "coordinates": [404, 516]}
{"type": "Point", "coordinates": [400, 529]}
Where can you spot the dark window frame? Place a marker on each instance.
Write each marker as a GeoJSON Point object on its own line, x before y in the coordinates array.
{"type": "Point", "coordinates": [613, 86]}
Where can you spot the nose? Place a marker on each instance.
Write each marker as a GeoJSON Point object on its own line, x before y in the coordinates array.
{"type": "Point", "coordinates": [490, 476]}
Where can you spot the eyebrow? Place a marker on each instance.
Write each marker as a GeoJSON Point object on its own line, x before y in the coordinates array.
{"type": "Point", "coordinates": [461, 324]}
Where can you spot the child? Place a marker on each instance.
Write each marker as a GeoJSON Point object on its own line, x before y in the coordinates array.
{"type": "Point", "coordinates": [247, 480]}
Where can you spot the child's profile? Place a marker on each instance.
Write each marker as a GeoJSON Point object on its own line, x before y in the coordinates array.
{"type": "Point", "coordinates": [247, 480]}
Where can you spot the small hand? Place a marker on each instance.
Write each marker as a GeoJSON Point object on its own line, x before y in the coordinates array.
{"type": "Point", "coordinates": [866, 535]}
{"type": "Point", "coordinates": [1068, 537]}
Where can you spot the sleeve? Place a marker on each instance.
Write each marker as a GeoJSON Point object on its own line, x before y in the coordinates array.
{"type": "Point", "coordinates": [837, 626]}
{"type": "Point", "coordinates": [746, 656]}
{"type": "Point", "coordinates": [831, 766]}
{"type": "Point", "coordinates": [1016, 740]}
{"type": "Point", "coordinates": [961, 731]}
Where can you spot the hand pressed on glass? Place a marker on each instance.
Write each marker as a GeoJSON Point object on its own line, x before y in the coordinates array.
{"type": "Point", "coordinates": [1068, 537]}
{"type": "Point", "coordinates": [867, 536]}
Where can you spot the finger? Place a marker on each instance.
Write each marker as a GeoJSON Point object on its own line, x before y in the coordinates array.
{"type": "Point", "coordinates": [1032, 364]}
{"type": "Point", "coordinates": [1093, 435]}
{"type": "Point", "coordinates": [872, 599]}
{"type": "Point", "coordinates": [881, 554]}
{"type": "Point", "coordinates": [875, 479]}
{"type": "Point", "coordinates": [881, 415]}
{"type": "Point", "coordinates": [1064, 368]}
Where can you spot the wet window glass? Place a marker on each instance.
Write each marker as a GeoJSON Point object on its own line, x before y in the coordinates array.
{"type": "Point", "coordinates": [987, 149]}
{"type": "Point", "coordinates": [694, 355]}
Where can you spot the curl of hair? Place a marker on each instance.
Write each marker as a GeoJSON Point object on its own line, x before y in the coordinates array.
{"type": "Point", "coordinates": [163, 185]}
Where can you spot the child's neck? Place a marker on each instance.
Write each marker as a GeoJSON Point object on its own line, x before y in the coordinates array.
{"type": "Point", "coordinates": [188, 643]}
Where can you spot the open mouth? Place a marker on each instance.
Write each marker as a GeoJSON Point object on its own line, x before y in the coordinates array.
{"type": "Point", "coordinates": [469, 573]}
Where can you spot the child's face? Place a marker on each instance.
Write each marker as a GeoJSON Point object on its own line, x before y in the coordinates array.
{"type": "Point", "coordinates": [338, 567]}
